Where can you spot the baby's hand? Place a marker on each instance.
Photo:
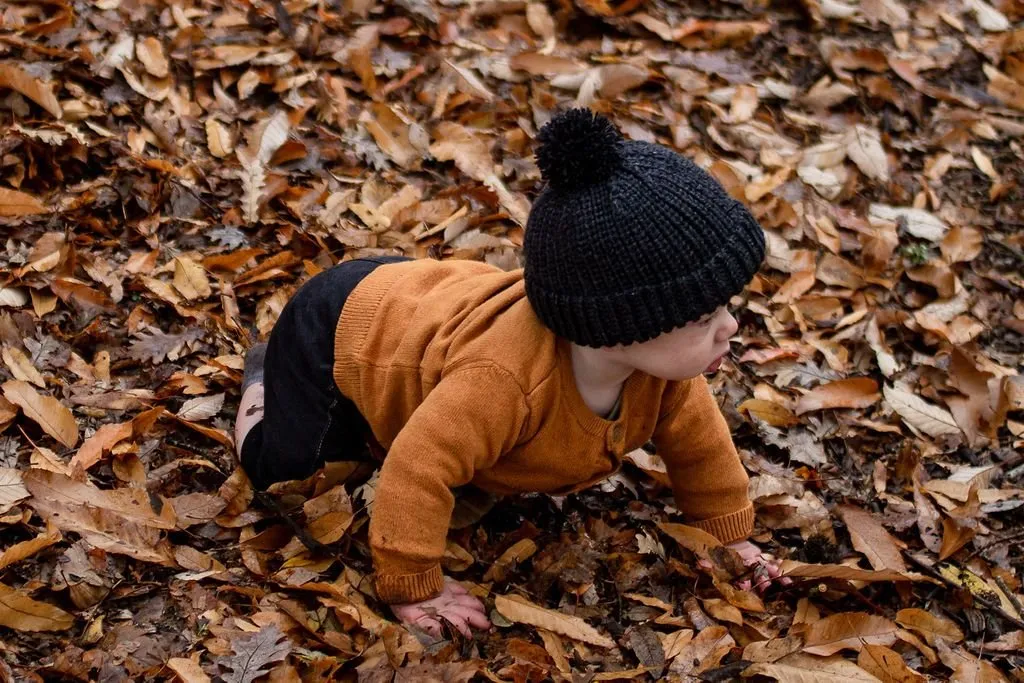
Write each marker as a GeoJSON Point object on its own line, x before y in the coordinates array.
{"type": "Point", "coordinates": [454, 604]}
{"type": "Point", "coordinates": [766, 567]}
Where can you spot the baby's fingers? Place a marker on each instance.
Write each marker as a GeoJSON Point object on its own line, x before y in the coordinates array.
{"type": "Point", "coordinates": [457, 619]}
{"type": "Point", "coordinates": [429, 624]}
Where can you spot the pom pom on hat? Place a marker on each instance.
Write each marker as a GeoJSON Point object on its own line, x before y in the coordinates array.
{"type": "Point", "coordinates": [578, 148]}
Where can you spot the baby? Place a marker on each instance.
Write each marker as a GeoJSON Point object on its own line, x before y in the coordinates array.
{"type": "Point", "coordinates": [535, 380]}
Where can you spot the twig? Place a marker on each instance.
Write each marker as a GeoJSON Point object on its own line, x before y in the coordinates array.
{"type": "Point", "coordinates": [1015, 536]}
{"type": "Point", "coordinates": [984, 602]}
{"type": "Point", "coordinates": [1009, 594]}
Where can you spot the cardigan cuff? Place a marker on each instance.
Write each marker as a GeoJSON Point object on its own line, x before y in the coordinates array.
{"type": "Point", "coordinates": [735, 526]}
{"type": "Point", "coordinates": [404, 588]}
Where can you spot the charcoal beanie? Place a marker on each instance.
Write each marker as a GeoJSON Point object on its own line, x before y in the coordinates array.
{"type": "Point", "coordinates": [629, 239]}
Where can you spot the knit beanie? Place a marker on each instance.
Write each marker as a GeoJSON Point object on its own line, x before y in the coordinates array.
{"type": "Point", "coordinates": [629, 239]}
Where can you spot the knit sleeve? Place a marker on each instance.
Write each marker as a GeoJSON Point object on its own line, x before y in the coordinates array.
{"type": "Point", "coordinates": [466, 423]}
{"type": "Point", "coordinates": [708, 479]}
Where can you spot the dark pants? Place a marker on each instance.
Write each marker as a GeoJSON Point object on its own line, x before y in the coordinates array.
{"type": "Point", "coordinates": [306, 419]}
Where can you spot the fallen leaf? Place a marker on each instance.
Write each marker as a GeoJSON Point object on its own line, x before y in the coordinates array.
{"type": "Point", "coordinates": [888, 666]}
{"type": "Point", "coordinates": [46, 411]}
{"type": "Point", "coordinates": [105, 438]}
{"type": "Point", "coordinates": [14, 204]}
{"type": "Point", "coordinates": [151, 53]}
{"type": "Point", "coordinates": [15, 78]}
{"type": "Point", "coordinates": [768, 411]}
{"type": "Point", "coordinates": [188, 670]}
{"type": "Point", "coordinates": [848, 631]}
{"type": "Point", "coordinates": [870, 538]}
{"type": "Point", "coordinates": [857, 392]}
{"type": "Point", "coordinates": [864, 147]}
{"type": "Point", "coordinates": [804, 668]}
{"type": "Point", "coordinates": [254, 652]}
{"type": "Point", "coordinates": [703, 652]}
{"type": "Point", "coordinates": [12, 489]}
{"type": "Point", "coordinates": [516, 553]}
{"type": "Point", "coordinates": [20, 612]}
{"type": "Point", "coordinates": [21, 367]}
{"type": "Point", "coordinates": [918, 222]}
{"type": "Point", "coordinates": [190, 279]}
{"type": "Point", "coordinates": [520, 610]}
{"type": "Point", "coordinates": [842, 571]}
{"type": "Point", "coordinates": [919, 414]}
{"type": "Point", "coordinates": [26, 549]}
{"type": "Point", "coordinates": [201, 407]}
{"type": "Point", "coordinates": [932, 627]}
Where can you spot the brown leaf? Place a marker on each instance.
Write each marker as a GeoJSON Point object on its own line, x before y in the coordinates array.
{"type": "Point", "coordinates": [14, 203]}
{"type": "Point", "coordinates": [190, 279]}
{"type": "Point", "coordinates": [105, 438]}
{"type": "Point", "coordinates": [21, 613]}
{"type": "Point", "coordinates": [772, 650]}
{"type": "Point", "coordinates": [705, 651]}
{"type": "Point", "coordinates": [848, 630]}
{"type": "Point", "coordinates": [690, 537]}
{"type": "Point", "coordinates": [842, 571]}
{"type": "Point", "coordinates": [21, 367]}
{"type": "Point", "coordinates": [26, 549]}
{"type": "Point", "coordinates": [12, 490]}
{"type": "Point", "coordinates": [520, 610]}
{"type": "Point", "coordinates": [968, 667]}
{"type": "Point", "coordinates": [201, 407]}
{"type": "Point", "coordinates": [119, 521]}
{"type": "Point", "coordinates": [888, 666]}
{"type": "Point", "coordinates": [919, 414]}
{"type": "Point", "coordinates": [932, 627]}
{"type": "Point", "coordinates": [961, 244]}
{"type": "Point", "coordinates": [188, 670]}
{"type": "Point", "coordinates": [857, 392]}
{"type": "Point", "coordinates": [768, 411]}
{"type": "Point", "coordinates": [803, 668]}
{"type": "Point", "coordinates": [15, 78]}
{"type": "Point", "coordinates": [151, 53]}
{"type": "Point", "coordinates": [254, 652]}
{"type": "Point", "coordinates": [518, 552]}
{"type": "Point", "coordinates": [218, 139]}
{"type": "Point", "coordinates": [49, 413]}
{"type": "Point", "coordinates": [196, 508]}
{"type": "Point", "coordinates": [870, 538]}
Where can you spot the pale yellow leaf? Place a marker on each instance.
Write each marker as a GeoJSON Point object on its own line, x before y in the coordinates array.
{"type": "Point", "coordinates": [919, 414]}
{"type": "Point", "coordinates": [188, 670]}
{"type": "Point", "coordinates": [864, 147]}
{"type": "Point", "coordinates": [201, 407]}
{"type": "Point", "coordinates": [520, 610]}
{"type": "Point", "coordinates": [218, 139]}
{"type": "Point", "coordinates": [49, 413]}
{"type": "Point", "coordinates": [21, 366]}
{"type": "Point", "coordinates": [12, 490]}
{"type": "Point", "coordinates": [190, 279]}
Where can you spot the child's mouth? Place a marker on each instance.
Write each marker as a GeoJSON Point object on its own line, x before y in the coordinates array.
{"type": "Point", "coordinates": [716, 364]}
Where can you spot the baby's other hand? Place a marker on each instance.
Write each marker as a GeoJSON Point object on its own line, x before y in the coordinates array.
{"type": "Point", "coordinates": [766, 566]}
{"type": "Point", "coordinates": [454, 604]}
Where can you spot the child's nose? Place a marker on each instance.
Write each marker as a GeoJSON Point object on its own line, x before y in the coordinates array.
{"type": "Point", "coordinates": [729, 326]}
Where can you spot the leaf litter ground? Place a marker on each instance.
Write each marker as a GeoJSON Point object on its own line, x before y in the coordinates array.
{"type": "Point", "coordinates": [172, 172]}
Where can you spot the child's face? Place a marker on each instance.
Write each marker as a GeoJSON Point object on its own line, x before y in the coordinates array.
{"type": "Point", "coordinates": [685, 352]}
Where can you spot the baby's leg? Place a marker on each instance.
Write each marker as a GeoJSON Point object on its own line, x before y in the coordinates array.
{"type": "Point", "coordinates": [250, 407]}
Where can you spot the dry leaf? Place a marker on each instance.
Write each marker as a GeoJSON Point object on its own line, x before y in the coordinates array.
{"type": "Point", "coordinates": [15, 203]}
{"type": "Point", "coordinates": [105, 438]}
{"type": "Point", "coordinates": [520, 610]}
{"type": "Point", "coordinates": [15, 78]}
{"type": "Point", "coordinates": [803, 668]}
{"type": "Point", "coordinates": [12, 490]}
{"type": "Point", "coordinates": [704, 651]}
{"type": "Point", "coordinates": [190, 279]}
{"type": "Point", "coordinates": [151, 53]}
{"type": "Point", "coordinates": [848, 630]}
{"type": "Point", "coordinates": [919, 414]}
{"type": "Point", "coordinates": [864, 147]}
{"type": "Point", "coordinates": [188, 670]}
{"type": "Point", "coordinates": [21, 367]}
{"type": "Point", "coordinates": [768, 411]}
{"type": "Point", "coordinates": [918, 222]}
{"type": "Point", "coordinates": [857, 392]}
{"type": "Point", "coordinates": [870, 538]}
{"type": "Point", "coordinates": [932, 627]}
{"type": "Point", "coordinates": [254, 653]}
{"type": "Point", "coordinates": [842, 571]}
{"type": "Point", "coordinates": [26, 549]}
{"type": "Point", "coordinates": [516, 553]}
{"type": "Point", "coordinates": [46, 411]}
{"type": "Point", "coordinates": [888, 666]}
{"type": "Point", "coordinates": [201, 407]}
{"type": "Point", "coordinates": [218, 139]}
{"type": "Point", "coordinates": [20, 612]}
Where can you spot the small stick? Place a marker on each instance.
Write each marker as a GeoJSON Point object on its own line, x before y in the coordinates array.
{"type": "Point", "coordinates": [1016, 536]}
{"type": "Point", "coordinates": [985, 602]}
